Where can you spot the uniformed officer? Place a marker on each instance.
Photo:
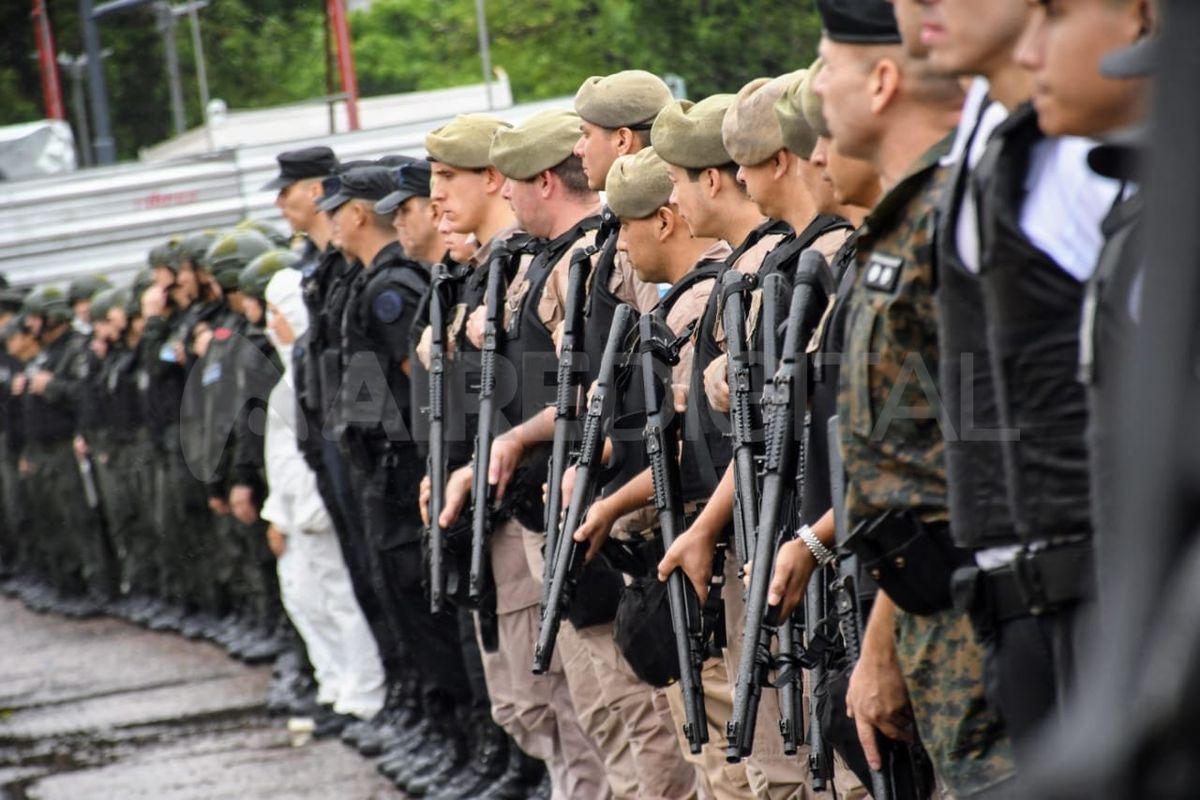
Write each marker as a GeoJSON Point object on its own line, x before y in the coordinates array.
{"type": "Point", "coordinates": [326, 277]}
{"type": "Point", "coordinates": [1036, 253]}
{"type": "Point", "coordinates": [616, 708]}
{"type": "Point", "coordinates": [172, 309]}
{"type": "Point", "coordinates": [713, 203]}
{"type": "Point", "coordinates": [415, 218]}
{"type": "Point", "coordinates": [73, 548]}
{"type": "Point", "coordinates": [236, 368]}
{"type": "Point", "coordinates": [18, 348]}
{"type": "Point", "coordinates": [385, 464]}
{"type": "Point", "coordinates": [892, 442]}
{"type": "Point", "coordinates": [662, 250]}
{"type": "Point", "coordinates": [113, 442]}
{"type": "Point", "coordinates": [79, 295]}
{"type": "Point", "coordinates": [537, 711]}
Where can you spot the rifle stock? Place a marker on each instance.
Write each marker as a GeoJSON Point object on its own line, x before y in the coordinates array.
{"type": "Point", "coordinates": [566, 406]}
{"type": "Point", "coordinates": [734, 288]}
{"type": "Point", "coordinates": [437, 441]}
{"type": "Point", "coordinates": [662, 447]}
{"type": "Point", "coordinates": [568, 559]}
{"type": "Point", "coordinates": [482, 494]}
{"type": "Point", "coordinates": [753, 667]}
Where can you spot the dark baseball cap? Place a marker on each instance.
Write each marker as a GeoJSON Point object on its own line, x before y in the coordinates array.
{"type": "Point", "coordinates": [412, 180]}
{"type": "Point", "coordinates": [859, 21]}
{"type": "Point", "coordinates": [296, 165]}
{"type": "Point", "coordinates": [364, 183]}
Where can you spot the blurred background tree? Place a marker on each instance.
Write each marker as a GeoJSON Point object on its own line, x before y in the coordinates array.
{"type": "Point", "coordinates": [269, 52]}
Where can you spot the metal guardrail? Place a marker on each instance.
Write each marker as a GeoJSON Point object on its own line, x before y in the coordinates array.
{"type": "Point", "coordinates": [104, 221]}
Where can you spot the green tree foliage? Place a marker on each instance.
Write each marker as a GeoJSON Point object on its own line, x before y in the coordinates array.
{"type": "Point", "coordinates": [268, 52]}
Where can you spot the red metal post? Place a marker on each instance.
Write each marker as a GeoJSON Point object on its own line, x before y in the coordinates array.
{"type": "Point", "coordinates": [345, 56]}
{"type": "Point", "coordinates": [47, 61]}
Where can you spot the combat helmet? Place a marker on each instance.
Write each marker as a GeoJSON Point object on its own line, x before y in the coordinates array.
{"type": "Point", "coordinates": [257, 274]}
{"type": "Point", "coordinates": [231, 253]}
{"type": "Point", "coordinates": [48, 302]}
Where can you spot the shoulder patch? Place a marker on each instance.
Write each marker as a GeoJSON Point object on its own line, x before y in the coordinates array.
{"type": "Point", "coordinates": [222, 334]}
{"type": "Point", "coordinates": [882, 272]}
{"type": "Point", "coordinates": [388, 306]}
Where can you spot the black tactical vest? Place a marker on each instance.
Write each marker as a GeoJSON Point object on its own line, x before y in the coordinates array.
{"type": "Point", "coordinates": [826, 366]}
{"type": "Point", "coordinates": [974, 459]}
{"type": "Point", "coordinates": [1034, 310]}
{"type": "Point", "coordinates": [629, 418]}
{"type": "Point", "coordinates": [527, 345]}
{"type": "Point", "coordinates": [706, 445]}
{"type": "Point", "coordinates": [601, 305]}
{"type": "Point", "coordinates": [383, 298]}
{"type": "Point", "coordinates": [48, 422]}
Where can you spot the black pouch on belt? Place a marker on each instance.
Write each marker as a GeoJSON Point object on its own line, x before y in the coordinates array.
{"type": "Point", "coordinates": [912, 561]}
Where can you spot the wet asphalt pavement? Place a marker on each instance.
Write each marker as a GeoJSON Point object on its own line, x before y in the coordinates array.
{"type": "Point", "coordinates": [103, 710]}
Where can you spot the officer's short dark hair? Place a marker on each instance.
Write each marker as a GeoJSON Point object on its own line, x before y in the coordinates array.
{"type": "Point", "coordinates": [571, 173]}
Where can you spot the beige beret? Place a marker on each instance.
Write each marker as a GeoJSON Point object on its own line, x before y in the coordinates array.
{"type": "Point", "coordinates": [541, 142]}
{"type": "Point", "coordinates": [689, 136]}
{"type": "Point", "coordinates": [629, 99]}
{"type": "Point", "coordinates": [466, 142]}
{"type": "Point", "coordinates": [638, 184]}
{"type": "Point", "coordinates": [751, 130]}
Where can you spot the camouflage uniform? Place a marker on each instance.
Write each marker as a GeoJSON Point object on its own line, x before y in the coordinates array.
{"type": "Point", "coordinates": [895, 459]}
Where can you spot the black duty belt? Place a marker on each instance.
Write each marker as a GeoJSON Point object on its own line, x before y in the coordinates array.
{"type": "Point", "coordinates": [1041, 581]}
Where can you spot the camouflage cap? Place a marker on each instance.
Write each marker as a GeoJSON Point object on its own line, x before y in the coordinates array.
{"type": "Point", "coordinates": [629, 99]}
{"type": "Point", "coordinates": [751, 131]}
{"type": "Point", "coordinates": [638, 184]}
{"type": "Point", "coordinates": [689, 136]}
{"type": "Point", "coordinates": [466, 142]}
{"type": "Point", "coordinates": [541, 142]}
{"type": "Point", "coordinates": [265, 228]}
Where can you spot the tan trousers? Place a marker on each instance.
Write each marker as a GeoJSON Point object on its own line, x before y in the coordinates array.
{"type": "Point", "coordinates": [536, 710]}
{"type": "Point", "coordinates": [724, 781]}
{"type": "Point", "coordinates": [630, 727]}
{"type": "Point", "coordinates": [773, 775]}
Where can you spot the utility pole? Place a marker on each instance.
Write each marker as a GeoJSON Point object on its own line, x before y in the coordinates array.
{"type": "Point", "coordinates": [104, 145]}
{"type": "Point", "coordinates": [345, 56]}
{"type": "Point", "coordinates": [485, 50]}
{"type": "Point", "coordinates": [168, 16]}
{"type": "Point", "coordinates": [47, 61]}
{"type": "Point", "coordinates": [76, 69]}
{"type": "Point", "coordinates": [166, 26]}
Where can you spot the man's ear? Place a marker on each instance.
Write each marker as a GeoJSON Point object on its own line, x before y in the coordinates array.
{"type": "Point", "coordinates": [493, 181]}
{"type": "Point", "coordinates": [545, 182]}
{"type": "Point", "coordinates": [626, 141]}
{"type": "Point", "coordinates": [781, 164]}
{"type": "Point", "coordinates": [666, 220]}
{"type": "Point", "coordinates": [883, 84]}
{"type": "Point", "coordinates": [314, 191]}
{"type": "Point", "coordinates": [711, 182]}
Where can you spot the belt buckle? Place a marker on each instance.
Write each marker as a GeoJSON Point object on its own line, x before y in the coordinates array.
{"type": "Point", "coordinates": [1030, 586]}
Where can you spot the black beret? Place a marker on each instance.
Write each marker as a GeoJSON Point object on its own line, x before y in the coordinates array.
{"type": "Point", "coordinates": [296, 165]}
{"type": "Point", "coordinates": [364, 183]}
{"type": "Point", "coordinates": [412, 180]}
{"type": "Point", "coordinates": [859, 21]}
